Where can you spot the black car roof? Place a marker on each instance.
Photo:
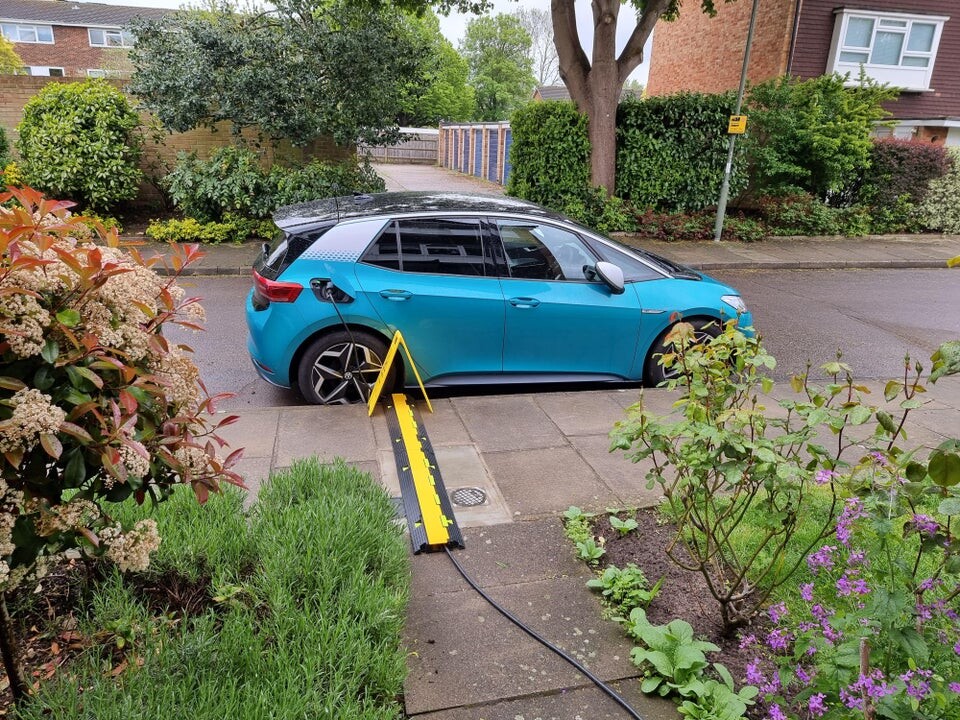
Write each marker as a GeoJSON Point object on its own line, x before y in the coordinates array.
{"type": "Point", "coordinates": [303, 216]}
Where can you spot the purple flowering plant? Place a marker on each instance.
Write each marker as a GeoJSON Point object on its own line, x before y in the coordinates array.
{"type": "Point", "coordinates": [874, 632]}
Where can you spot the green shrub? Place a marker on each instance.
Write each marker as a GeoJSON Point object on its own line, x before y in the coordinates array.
{"type": "Point", "coordinates": [671, 151]}
{"type": "Point", "coordinates": [811, 136]}
{"type": "Point", "coordinates": [233, 181]}
{"type": "Point", "coordinates": [230, 181]}
{"type": "Point", "coordinates": [549, 154]}
{"type": "Point", "coordinates": [594, 208]}
{"type": "Point", "coordinates": [190, 230]}
{"type": "Point", "coordinates": [79, 141]}
{"type": "Point", "coordinates": [941, 208]}
{"type": "Point", "coordinates": [324, 179]}
{"type": "Point", "coordinates": [800, 214]}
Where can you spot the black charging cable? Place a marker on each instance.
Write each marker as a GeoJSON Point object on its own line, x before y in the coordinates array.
{"type": "Point", "coordinates": [543, 641]}
{"type": "Point", "coordinates": [328, 291]}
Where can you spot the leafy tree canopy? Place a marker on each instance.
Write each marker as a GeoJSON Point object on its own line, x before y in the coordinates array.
{"type": "Point", "coordinates": [299, 71]}
{"type": "Point", "coordinates": [497, 50]}
{"type": "Point", "coordinates": [440, 90]}
{"type": "Point", "coordinates": [10, 62]}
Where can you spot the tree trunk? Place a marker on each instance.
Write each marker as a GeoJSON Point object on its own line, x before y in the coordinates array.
{"type": "Point", "coordinates": [8, 648]}
{"type": "Point", "coordinates": [602, 117]}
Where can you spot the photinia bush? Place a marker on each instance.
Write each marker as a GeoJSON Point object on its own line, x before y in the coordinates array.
{"type": "Point", "coordinates": [95, 403]}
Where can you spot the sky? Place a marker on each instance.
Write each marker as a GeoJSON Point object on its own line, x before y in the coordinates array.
{"type": "Point", "coordinates": [454, 26]}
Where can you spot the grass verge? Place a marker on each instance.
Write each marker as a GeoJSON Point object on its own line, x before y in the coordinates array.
{"type": "Point", "coordinates": [301, 616]}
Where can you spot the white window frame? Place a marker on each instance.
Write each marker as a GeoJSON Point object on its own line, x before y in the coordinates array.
{"type": "Point", "coordinates": [122, 38]}
{"type": "Point", "coordinates": [14, 32]}
{"type": "Point", "coordinates": [45, 71]}
{"type": "Point", "coordinates": [905, 77]}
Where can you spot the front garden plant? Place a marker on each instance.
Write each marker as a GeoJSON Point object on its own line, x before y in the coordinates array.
{"type": "Point", "coordinates": [96, 405]}
{"type": "Point", "coordinates": [828, 544]}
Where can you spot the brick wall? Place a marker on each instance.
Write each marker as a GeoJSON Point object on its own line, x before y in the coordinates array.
{"type": "Point", "coordinates": [704, 54]}
{"type": "Point", "coordinates": [16, 90]}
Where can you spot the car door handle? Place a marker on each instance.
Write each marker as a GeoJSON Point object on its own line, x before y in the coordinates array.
{"type": "Point", "coordinates": [396, 295]}
{"type": "Point", "coordinates": [524, 302]}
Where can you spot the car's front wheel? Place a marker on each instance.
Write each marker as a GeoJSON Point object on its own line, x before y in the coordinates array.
{"type": "Point", "coordinates": [341, 368]}
{"type": "Point", "coordinates": [654, 373]}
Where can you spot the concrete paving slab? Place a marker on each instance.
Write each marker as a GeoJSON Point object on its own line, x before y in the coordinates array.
{"type": "Point", "coordinates": [444, 425]}
{"type": "Point", "coordinates": [325, 431]}
{"type": "Point", "coordinates": [625, 479]}
{"type": "Point", "coordinates": [502, 555]}
{"type": "Point", "coordinates": [547, 481]}
{"type": "Point", "coordinates": [255, 431]}
{"type": "Point", "coordinates": [580, 703]}
{"type": "Point", "coordinates": [581, 413]}
{"type": "Point", "coordinates": [463, 652]}
{"type": "Point", "coordinates": [507, 422]}
{"type": "Point", "coordinates": [462, 469]}
{"type": "Point", "coordinates": [255, 471]}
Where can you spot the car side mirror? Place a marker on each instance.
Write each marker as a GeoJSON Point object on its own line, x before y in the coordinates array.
{"type": "Point", "coordinates": [611, 275]}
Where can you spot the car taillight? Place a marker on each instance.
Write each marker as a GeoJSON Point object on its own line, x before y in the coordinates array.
{"type": "Point", "coordinates": [274, 291]}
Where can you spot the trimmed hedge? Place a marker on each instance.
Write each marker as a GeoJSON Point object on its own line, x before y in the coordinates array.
{"type": "Point", "coordinates": [671, 151]}
{"type": "Point", "coordinates": [550, 153]}
{"type": "Point", "coordinates": [940, 208]}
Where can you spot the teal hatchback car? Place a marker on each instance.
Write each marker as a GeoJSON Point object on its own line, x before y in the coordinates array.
{"type": "Point", "coordinates": [485, 289]}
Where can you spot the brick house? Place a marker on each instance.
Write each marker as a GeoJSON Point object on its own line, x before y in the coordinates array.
{"type": "Point", "coordinates": [63, 38]}
{"type": "Point", "coordinates": [910, 44]}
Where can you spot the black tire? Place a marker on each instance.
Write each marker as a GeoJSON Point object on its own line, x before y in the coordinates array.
{"type": "Point", "coordinates": [341, 368]}
{"type": "Point", "coordinates": [653, 371]}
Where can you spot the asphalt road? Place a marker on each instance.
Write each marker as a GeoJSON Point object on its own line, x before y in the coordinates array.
{"type": "Point", "coordinates": [875, 316]}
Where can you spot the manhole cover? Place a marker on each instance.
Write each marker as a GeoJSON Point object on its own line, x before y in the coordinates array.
{"type": "Point", "coordinates": [468, 496]}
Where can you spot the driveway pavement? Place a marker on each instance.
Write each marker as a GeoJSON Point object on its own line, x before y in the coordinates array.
{"type": "Point", "coordinates": [532, 456]}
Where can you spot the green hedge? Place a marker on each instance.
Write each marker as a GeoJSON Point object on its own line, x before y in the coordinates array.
{"type": "Point", "coordinates": [550, 154]}
{"type": "Point", "coordinates": [671, 151]}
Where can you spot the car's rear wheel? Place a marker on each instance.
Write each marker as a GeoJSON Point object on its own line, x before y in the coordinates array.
{"type": "Point", "coordinates": [704, 329]}
{"type": "Point", "coordinates": [341, 368]}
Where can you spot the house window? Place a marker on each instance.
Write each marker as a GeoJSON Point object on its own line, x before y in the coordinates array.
{"type": "Point", "coordinates": [895, 48]}
{"type": "Point", "coordinates": [15, 32]}
{"type": "Point", "coordinates": [45, 71]}
{"type": "Point", "coordinates": [102, 37]}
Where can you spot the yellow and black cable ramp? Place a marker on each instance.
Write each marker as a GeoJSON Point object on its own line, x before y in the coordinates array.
{"type": "Point", "coordinates": [426, 504]}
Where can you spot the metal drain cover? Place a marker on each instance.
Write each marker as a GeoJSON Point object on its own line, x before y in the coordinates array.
{"type": "Point", "coordinates": [468, 496]}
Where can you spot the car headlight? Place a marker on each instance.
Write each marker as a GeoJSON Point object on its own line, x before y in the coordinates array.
{"type": "Point", "coordinates": [736, 302]}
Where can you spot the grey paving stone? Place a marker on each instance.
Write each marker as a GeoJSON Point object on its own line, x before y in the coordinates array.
{"type": "Point", "coordinates": [624, 478]}
{"type": "Point", "coordinates": [582, 413]}
{"type": "Point", "coordinates": [507, 422]}
{"type": "Point", "coordinates": [255, 431]}
{"type": "Point", "coordinates": [463, 652]}
{"type": "Point", "coordinates": [501, 555]}
{"type": "Point", "coordinates": [576, 703]}
{"type": "Point", "coordinates": [325, 431]}
{"type": "Point", "coordinates": [547, 481]}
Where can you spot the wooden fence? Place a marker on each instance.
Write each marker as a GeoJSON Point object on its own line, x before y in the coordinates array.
{"type": "Point", "coordinates": [420, 148]}
{"type": "Point", "coordinates": [480, 149]}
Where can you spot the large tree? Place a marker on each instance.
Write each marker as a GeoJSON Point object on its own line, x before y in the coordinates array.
{"type": "Point", "coordinates": [302, 70]}
{"type": "Point", "coordinates": [497, 50]}
{"type": "Point", "coordinates": [595, 83]}
{"type": "Point", "coordinates": [10, 62]}
{"type": "Point", "coordinates": [440, 91]}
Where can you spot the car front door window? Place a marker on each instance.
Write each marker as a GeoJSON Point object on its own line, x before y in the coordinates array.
{"type": "Point", "coordinates": [538, 251]}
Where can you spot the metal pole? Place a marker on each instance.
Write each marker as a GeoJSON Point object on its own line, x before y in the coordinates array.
{"type": "Point", "coordinates": [728, 168]}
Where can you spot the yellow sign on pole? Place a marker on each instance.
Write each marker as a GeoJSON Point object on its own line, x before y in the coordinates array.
{"type": "Point", "coordinates": [398, 342]}
{"type": "Point", "coordinates": [738, 125]}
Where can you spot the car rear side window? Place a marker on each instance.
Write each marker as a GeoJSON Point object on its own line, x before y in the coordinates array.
{"type": "Point", "coordinates": [285, 248]}
{"type": "Point", "coordinates": [441, 246]}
